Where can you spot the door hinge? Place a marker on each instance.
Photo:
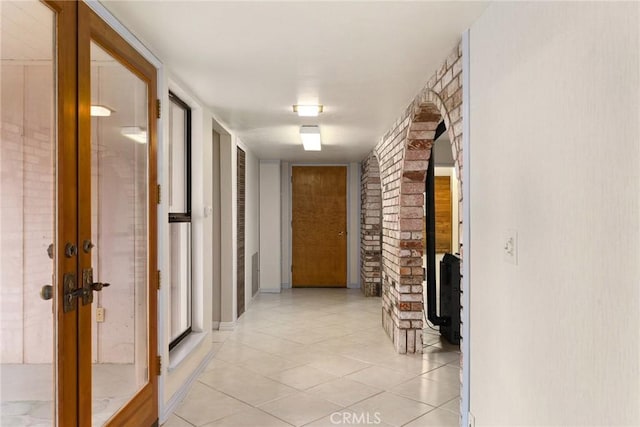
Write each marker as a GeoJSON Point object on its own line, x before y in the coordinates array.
{"type": "Point", "coordinates": [158, 109]}
{"type": "Point", "coordinates": [159, 280]}
{"type": "Point", "coordinates": [292, 268]}
{"type": "Point", "coordinates": [159, 365]}
{"type": "Point", "coordinates": [159, 194]}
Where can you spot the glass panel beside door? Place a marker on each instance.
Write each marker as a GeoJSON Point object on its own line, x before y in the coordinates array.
{"type": "Point", "coordinates": [119, 233]}
{"type": "Point", "coordinates": [28, 148]}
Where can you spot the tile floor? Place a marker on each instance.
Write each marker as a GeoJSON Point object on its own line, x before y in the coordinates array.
{"type": "Point", "coordinates": [319, 357]}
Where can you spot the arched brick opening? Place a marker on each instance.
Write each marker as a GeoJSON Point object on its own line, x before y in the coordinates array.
{"type": "Point", "coordinates": [418, 149]}
{"type": "Point", "coordinates": [371, 227]}
{"type": "Point", "coordinates": [404, 152]}
{"type": "Point", "coordinates": [403, 279]}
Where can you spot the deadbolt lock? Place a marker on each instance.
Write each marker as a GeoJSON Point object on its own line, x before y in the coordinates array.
{"type": "Point", "coordinates": [70, 250]}
{"type": "Point", "coordinates": [87, 246]}
{"type": "Point", "coordinates": [46, 293]}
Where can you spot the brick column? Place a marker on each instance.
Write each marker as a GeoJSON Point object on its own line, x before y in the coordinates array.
{"type": "Point", "coordinates": [371, 227]}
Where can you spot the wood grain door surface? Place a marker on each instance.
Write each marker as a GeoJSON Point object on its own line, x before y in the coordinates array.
{"type": "Point", "coordinates": [319, 226]}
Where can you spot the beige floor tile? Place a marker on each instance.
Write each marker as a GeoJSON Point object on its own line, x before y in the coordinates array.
{"type": "Point", "coordinates": [300, 408]}
{"type": "Point", "coordinates": [220, 336]}
{"type": "Point", "coordinates": [343, 392]}
{"type": "Point", "coordinates": [222, 372]}
{"type": "Point", "coordinates": [446, 374]}
{"type": "Point", "coordinates": [339, 365]}
{"type": "Point", "coordinates": [410, 364]}
{"type": "Point", "coordinates": [436, 418]}
{"type": "Point", "coordinates": [250, 418]}
{"type": "Point", "coordinates": [234, 352]}
{"type": "Point", "coordinates": [253, 389]}
{"type": "Point", "coordinates": [431, 392]}
{"type": "Point", "coordinates": [217, 364]}
{"type": "Point", "coordinates": [452, 406]}
{"type": "Point", "coordinates": [268, 364]}
{"type": "Point", "coordinates": [370, 354]}
{"type": "Point", "coordinates": [203, 405]}
{"type": "Point", "coordinates": [176, 421]}
{"type": "Point", "coordinates": [380, 377]}
{"type": "Point", "coordinates": [328, 343]}
{"type": "Point", "coordinates": [348, 418]}
{"type": "Point", "coordinates": [440, 356]}
{"type": "Point", "coordinates": [391, 409]}
{"type": "Point", "coordinates": [307, 354]}
{"type": "Point", "coordinates": [302, 377]}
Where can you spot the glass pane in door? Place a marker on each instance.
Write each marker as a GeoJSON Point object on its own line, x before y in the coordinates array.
{"type": "Point", "coordinates": [27, 213]}
{"type": "Point", "coordinates": [119, 194]}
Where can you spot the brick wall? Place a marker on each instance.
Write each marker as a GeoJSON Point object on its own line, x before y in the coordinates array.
{"type": "Point", "coordinates": [370, 227]}
{"type": "Point", "coordinates": [403, 155]}
{"type": "Point", "coordinates": [27, 154]}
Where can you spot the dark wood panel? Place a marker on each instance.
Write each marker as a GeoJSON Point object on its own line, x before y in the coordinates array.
{"type": "Point", "coordinates": [240, 236]}
{"type": "Point", "coordinates": [444, 214]}
{"type": "Point", "coordinates": [319, 226]}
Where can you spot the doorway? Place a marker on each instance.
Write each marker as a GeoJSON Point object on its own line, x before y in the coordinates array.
{"type": "Point", "coordinates": [77, 221]}
{"type": "Point", "coordinates": [319, 226]}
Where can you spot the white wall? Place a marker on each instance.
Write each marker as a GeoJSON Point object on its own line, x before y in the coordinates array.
{"type": "Point", "coordinates": [270, 278]}
{"type": "Point", "coordinates": [555, 155]}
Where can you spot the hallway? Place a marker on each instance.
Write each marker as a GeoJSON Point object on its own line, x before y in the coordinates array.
{"type": "Point", "coordinates": [319, 357]}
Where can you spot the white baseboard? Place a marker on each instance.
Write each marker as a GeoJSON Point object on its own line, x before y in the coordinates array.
{"type": "Point", "coordinates": [179, 395]}
{"type": "Point", "coordinates": [353, 286]}
{"type": "Point", "coordinates": [286, 286]}
{"type": "Point", "coordinates": [269, 291]}
{"type": "Point", "coordinates": [215, 325]}
{"type": "Point", "coordinates": [227, 326]}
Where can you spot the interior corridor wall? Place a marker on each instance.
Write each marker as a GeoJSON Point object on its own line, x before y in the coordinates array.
{"type": "Point", "coordinates": [555, 155]}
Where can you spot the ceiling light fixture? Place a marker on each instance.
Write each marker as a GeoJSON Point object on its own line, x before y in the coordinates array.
{"type": "Point", "coordinates": [307, 110]}
{"type": "Point", "coordinates": [136, 133]}
{"type": "Point", "coordinates": [310, 136]}
{"type": "Point", "coordinates": [100, 111]}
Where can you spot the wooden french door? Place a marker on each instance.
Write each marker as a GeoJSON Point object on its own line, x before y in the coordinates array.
{"type": "Point", "coordinates": [78, 211]}
{"type": "Point", "coordinates": [117, 223]}
{"type": "Point", "coordinates": [319, 226]}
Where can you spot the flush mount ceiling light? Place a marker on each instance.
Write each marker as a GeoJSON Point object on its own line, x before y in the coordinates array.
{"type": "Point", "coordinates": [307, 110]}
{"type": "Point", "coordinates": [100, 111]}
{"type": "Point", "coordinates": [310, 136]}
{"type": "Point", "coordinates": [136, 133]}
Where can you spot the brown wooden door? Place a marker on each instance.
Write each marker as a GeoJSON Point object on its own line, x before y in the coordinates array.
{"type": "Point", "coordinates": [319, 226]}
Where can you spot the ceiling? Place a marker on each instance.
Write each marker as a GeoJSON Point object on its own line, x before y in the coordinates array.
{"type": "Point", "coordinates": [249, 62]}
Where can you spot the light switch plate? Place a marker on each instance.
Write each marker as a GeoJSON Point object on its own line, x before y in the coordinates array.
{"type": "Point", "coordinates": [510, 247]}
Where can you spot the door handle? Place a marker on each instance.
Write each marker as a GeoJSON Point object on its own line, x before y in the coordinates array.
{"type": "Point", "coordinates": [97, 286]}
{"type": "Point", "coordinates": [88, 286]}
